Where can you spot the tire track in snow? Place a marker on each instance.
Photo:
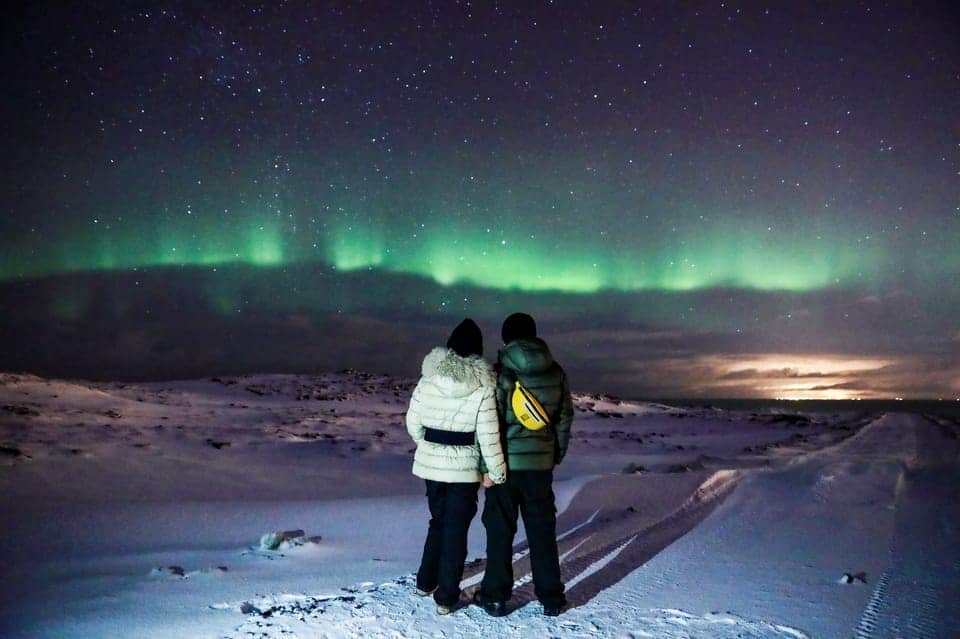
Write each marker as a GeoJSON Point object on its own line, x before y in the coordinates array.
{"type": "Point", "coordinates": [621, 543]}
{"type": "Point", "coordinates": [916, 596]}
{"type": "Point", "coordinates": [611, 524]}
{"type": "Point", "coordinates": [871, 614]}
{"type": "Point", "coordinates": [473, 573]}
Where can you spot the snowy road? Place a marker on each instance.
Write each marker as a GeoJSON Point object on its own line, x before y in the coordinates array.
{"type": "Point", "coordinates": [918, 593]}
{"type": "Point", "coordinates": [766, 563]}
{"type": "Point", "coordinates": [776, 549]}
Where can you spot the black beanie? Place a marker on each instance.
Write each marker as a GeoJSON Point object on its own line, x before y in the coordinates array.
{"type": "Point", "coordinates": [518, 326]}
{"type": "Point", "coordinates": [466, 339]}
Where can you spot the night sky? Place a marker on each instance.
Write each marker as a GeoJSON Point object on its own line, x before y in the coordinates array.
{"type": "Point", "coordinates": [694, 199]}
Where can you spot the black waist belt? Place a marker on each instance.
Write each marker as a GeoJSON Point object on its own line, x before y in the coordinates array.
{"type": "Point", "coordinates": [449, 438]}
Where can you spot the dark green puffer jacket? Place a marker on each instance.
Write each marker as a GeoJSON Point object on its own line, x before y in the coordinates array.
{"type": "Point", "coordinates": [530, 361]}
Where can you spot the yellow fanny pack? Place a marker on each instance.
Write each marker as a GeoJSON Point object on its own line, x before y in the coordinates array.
{"type": "Point", "coordinates": [528, 409]}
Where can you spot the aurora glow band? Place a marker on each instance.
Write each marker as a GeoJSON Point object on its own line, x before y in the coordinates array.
{"type": "Point", "coordinates": [745, 255]}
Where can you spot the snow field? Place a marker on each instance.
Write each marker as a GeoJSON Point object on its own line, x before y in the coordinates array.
{"type": "Point", "coordinates": [138, 510]}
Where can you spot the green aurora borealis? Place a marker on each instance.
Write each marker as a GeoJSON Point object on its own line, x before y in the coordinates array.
{"type": "Point", "coordinates": [690, 199]}
{"type": "Point", "coordinates": [623, 255]}
{"type": "Point", "coordinates": [518, 223]}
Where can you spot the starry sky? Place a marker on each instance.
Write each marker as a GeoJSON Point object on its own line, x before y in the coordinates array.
{"type": "Point", "coordinates": [696, 199]}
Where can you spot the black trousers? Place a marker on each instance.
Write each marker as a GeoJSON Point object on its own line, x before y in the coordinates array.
{"type": "Point", "coordinates": [530, 491]}
{"type": "Point", "coordinates": [452, 507]}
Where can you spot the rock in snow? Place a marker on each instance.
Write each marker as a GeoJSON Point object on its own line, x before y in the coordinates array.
{"type": "Point", "coordinates": [285, 539]}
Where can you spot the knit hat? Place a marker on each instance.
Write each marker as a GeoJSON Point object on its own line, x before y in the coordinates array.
{"type": "Point", "coordinates": [518, 326]}
{"type": "Point", "coordinates": [466, 339]}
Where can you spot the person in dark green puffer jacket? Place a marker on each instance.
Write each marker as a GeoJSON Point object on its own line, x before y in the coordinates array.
{"type": "Point", "coordinates": [528, 360]}
{"type": "Point", "coordinates": [531, 456]}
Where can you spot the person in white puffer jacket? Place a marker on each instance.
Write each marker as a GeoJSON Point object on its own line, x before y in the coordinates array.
{"type": "Point", "coordinates": [453, 421]}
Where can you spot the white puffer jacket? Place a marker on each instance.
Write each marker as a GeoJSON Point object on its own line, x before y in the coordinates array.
{"type": "Point", "coordinates": [456, 394]}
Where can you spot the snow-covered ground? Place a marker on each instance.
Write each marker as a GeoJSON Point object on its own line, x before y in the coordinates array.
{"type": "Point", "coordinates": [137, 510]}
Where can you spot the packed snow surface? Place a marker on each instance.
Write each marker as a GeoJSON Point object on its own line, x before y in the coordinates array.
{"type": "Point", "coordinates": [283, 506]}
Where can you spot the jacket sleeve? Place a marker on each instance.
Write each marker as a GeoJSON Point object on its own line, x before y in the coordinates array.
{"type": "Point", "coordinates": [501, 391]}
{"type": "Point", "coordinates": [565, 420]}
{"type": "Point", "coordinates": [414, 421]}
{"type": "Point", "coordinates": [504, 386]}
{"type": "Point", "coordinates": [488, 437]}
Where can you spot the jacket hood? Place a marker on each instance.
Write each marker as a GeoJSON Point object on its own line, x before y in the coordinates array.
{"type": "Point", "coordinates": [527, 356]}
{"type": "Point", "coordinates": [456, 376]}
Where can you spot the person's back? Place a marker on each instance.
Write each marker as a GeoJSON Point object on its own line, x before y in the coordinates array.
{"type": "Point", "coordinates": [531, 455]}
{"type": "Point", "coordinates": [529, 361]}
{"type": "Point", "coordinates": [453, 397]}
{"type": "Point", "coordinates": [452, 419]}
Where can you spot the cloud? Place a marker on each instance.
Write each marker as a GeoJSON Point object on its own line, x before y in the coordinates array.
{"type": "Point", "coordinates": [184, 322]}
{"type": "Point", "coordinates": [781, 373]}
{"type": "Point", "coordinates": [823, 376]}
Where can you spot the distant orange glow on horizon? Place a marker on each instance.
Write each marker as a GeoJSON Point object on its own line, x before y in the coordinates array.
{"type": "Point", "coordinates": [798, 376]}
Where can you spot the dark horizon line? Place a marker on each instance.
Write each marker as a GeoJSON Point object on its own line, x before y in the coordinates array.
{"type": "Point", "coordinates": [649, 400]}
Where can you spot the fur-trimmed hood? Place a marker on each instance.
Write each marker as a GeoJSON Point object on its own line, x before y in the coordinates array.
{"type": "Point", "coordinates": [456, 376]}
